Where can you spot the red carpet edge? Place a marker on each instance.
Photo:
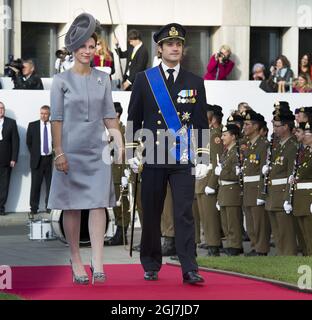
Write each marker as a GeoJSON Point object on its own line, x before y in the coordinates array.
{"type": "Point", "coordinates": [246, 276]}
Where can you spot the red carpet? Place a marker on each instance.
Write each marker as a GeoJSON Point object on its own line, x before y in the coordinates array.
{"type": "Point", "coordinates": [125, 283]}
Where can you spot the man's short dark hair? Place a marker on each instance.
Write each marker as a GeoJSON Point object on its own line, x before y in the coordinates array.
{"type": "Point", "coordinates": [134, 35]}
{"type": "Point", "coordinates": [45, 108]}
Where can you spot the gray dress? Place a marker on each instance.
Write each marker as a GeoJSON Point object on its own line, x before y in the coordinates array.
{"type": "Point", "coordinates": [82, 102]}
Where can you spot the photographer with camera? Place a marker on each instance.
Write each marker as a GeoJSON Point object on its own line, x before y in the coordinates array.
{"type": "Point", "coordinates": [220, 65]}
{"type": "Point", "coordinates": [23, 75]}
{"type": "Point", "coordinates": [64, 60]}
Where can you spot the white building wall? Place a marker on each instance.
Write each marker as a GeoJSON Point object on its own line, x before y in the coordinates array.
{"type": "Point", "coordinates": [145, 12]}
{"type": "Point", "coordinates": [291, 37]}
{"type": "Point", "coordinates": [1, 41]}
{"type": "Point", "coordinates": [230, 20]}
{"type": "Point", "coordinates": [277, 13]}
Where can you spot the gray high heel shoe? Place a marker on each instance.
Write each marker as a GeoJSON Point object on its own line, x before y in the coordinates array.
{"type": "Point", "coordinates": [97, 276]}
{"type": "Point", "coordinates": [78, 279]}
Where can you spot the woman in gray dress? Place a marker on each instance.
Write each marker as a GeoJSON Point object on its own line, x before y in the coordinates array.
{"type": "Point", "coordinates": [81, 108]}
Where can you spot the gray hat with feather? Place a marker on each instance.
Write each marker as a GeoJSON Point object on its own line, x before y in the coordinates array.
{"type": "Point", "coordinates": [80, 31]}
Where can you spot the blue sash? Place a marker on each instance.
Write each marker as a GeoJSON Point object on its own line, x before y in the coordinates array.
{"type": "Point", "coordinates": [182, 151]}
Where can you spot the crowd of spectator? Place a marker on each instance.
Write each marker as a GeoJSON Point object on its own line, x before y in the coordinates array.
{"type": "Point", "coordinates": [279, 77]}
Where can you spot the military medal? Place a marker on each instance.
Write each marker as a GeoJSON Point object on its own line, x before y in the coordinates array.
{"type": "Point", "coordinates": [186, 116]}
{"type": "Point", "coordinates": [187, 96]}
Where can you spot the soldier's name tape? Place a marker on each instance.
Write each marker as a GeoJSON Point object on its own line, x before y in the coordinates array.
{"type": "Point", "coordinates": [278, 182]}
{"type": "Point", "coordinates": [304, 185]}
{"type": "Point", "coordinates": [251, 179]}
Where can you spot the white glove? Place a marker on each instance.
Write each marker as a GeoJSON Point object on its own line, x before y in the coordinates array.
{"type": "Point", "coordinates": [218, 170]}
{"type": "Point", "coordinates": [238, 170]}
{"type": "Point", "coordinates": [218, 206]}
{"type": "Point", "coordinates": [124, 181]}
{"type": "Point", "coordinates": [209, 190]}
{"type": "Point", "coordinates": [127, 173]}
{"type": "Point", "coordinates": [265, 169]}
{"type": "Point", "coordinates": [291, 179]}
{"type": "Point", "coordinates": [311, 208]}
{"type": "Point", "coordinates": [201, 171]}
{"type": "Point", "coordinates": [260, 202]}
{"type": "Point", "coordinates": [134, 164]}
{"type": "Point", "coordinates": [288, 207]}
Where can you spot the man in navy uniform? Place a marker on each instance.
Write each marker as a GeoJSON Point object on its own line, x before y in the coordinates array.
{"type": "Point", "coordinates": [166, 102]}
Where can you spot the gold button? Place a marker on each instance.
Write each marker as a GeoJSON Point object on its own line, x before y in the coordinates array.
{"type": "Point", "coordinates": [159, 112]}
{"type": "Point", "coordinates": [179, 113]}
{"type": "Point", "coordinates": [158, 133]}
{"type": "Point", "coordinates": [159, 122]}
{"type": "Point", "coordinates": [157, 143]}
{"type": "Point", "coordinates": [174, 143]}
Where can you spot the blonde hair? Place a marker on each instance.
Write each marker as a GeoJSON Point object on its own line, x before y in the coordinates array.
{"type": "Point", "coordinates": [104, 51]}
{"type": "Point", "coordinates": [226, 48]}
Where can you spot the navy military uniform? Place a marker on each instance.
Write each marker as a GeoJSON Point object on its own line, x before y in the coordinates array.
{"type": "Point", "coordinates": [188, 96]}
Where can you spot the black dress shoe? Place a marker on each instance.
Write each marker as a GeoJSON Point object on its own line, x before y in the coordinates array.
{"type": "Point", "coordinates": [151, 275]}
{"type": "Point", "coordinates": [232, 252]}
{"type": "Point", "coordinates": [252, 253]}
{"type": "Point", "coordinates": [119, 239]}
{"type": "Point", "coordinates": [260, 254]}
{"type": "Point", "coordinates": [192, 277]}
{"type": "Point", "coordinates": [213, 252]}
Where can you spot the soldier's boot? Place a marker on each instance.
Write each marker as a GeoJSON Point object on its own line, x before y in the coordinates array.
{"type": "Point", "coordinates": [118, 238]}
{"type": "Point", "coordinates": [251, 253]}
{"type": "Point", "coordinates": [213, 252]}
{"type": "Point", "coordinates": [233, 251]}
{"type": "Point", "coordinates": [168, 248]}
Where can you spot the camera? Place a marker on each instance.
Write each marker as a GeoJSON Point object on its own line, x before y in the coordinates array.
{"type": "Point", "coordinates": [62, 53]}
{"type": "Point", "coordinates": [18, 64]}
{"type": "Point", "coordinates": [224, 58]}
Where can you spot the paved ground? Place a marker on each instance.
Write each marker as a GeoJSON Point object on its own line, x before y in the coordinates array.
{"type": "Point", "coordinates": [17, 250]}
